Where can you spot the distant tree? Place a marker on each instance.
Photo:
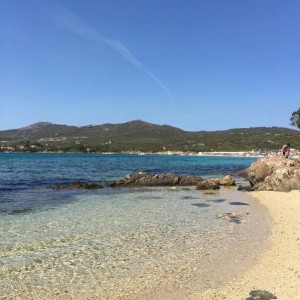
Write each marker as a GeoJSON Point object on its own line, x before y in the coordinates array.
{"type": "Point", "coordinates": [295, 118]}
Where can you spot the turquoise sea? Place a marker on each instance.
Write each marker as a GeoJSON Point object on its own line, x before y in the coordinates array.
{"type": "Point", "coordinates": [119, 243]}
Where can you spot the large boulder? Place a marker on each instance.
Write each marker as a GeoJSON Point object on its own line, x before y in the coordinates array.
{"type": "Point", "coordinates": [147, 179]}
{"type": "Point", "coordinates": [275, 174]}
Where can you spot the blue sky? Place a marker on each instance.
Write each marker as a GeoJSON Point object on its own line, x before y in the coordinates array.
{"type": "Point", "coordinates": [192, 64]}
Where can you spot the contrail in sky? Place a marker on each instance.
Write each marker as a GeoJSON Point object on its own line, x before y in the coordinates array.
{"type": "Point", "coordinates": [74, 24]}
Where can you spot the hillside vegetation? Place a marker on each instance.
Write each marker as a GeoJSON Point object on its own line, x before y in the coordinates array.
{"type": "Point", "coordinates": [144, 137]}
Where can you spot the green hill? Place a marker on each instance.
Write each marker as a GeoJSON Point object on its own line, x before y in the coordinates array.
{"type": "Point", "coordinates": [142, 136]}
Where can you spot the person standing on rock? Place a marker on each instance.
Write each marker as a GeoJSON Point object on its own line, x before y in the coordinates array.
{"type": "Point", "coordinates": [285, 151]}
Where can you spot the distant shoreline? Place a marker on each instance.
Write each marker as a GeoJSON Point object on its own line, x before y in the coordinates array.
{"type": "Point", "coordinates": [167, 153]}
{"type": "Point", "coordinates": [245, 154]}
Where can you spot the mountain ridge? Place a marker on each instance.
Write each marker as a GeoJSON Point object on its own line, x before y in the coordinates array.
{"type": "Point", "coordinates": [138, 135]}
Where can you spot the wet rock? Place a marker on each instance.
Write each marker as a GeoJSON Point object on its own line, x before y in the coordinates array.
{"type": "Point", "coordinates": [78, 185]}
{"type": "Point", "coordinates": [275, 174]}
{"type": "Point", "coordinates": [227, 181]}
{"type": "Point", "coordinates": [261, 295]}
{"type": "Point", "coordinates": [147, 179]}
{"type": "Point", "coordinates": [211, 184]}
{"type": "Point", "coordinates": [245, 188]}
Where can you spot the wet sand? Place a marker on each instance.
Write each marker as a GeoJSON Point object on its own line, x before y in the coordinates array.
{"type": "Point", "coordinates": [278, 267]}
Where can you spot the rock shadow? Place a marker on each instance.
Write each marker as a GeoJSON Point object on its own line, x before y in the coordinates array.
{"type": "Point", "coordinates": [216, 200]}
{"type": "Point", "coordinates": [238, 203]}
{"type": "Point", "coordinates": [189, 198]}
{"type": "Point", "coordinates": [201, 205]}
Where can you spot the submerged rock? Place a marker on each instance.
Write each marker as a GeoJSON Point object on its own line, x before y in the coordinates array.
{"type": "Point", "coordinates": [261, 295]}
{"type": "Point", "coordinates": [210, 192]}
{"type": "Point", "coordinates": [231, 217]}
{"type": "Point", "coordinates": [245, 188]}
{"type": "Point", "coordinates": [275, 174]}
{"type": "Point", "coordinates": [78, 185]}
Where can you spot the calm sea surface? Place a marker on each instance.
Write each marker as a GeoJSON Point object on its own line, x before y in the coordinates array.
{"type": "Point", "coordinates": [26, 179]}
{"type": "Point", "coordinates": [114, 243]}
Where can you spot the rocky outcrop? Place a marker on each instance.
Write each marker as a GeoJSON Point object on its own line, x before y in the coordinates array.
{"type": "Point", "coordinates": [275, 174]}
{"type": "Point", "coordinates": [146, 179]}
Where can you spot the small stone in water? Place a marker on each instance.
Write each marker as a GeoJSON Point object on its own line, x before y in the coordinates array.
{"type": "Point", "coordinates": [261, 295]}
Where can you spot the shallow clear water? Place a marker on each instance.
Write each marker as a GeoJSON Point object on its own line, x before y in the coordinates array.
{"type": "Point", "coordinates": [26, 179]}
{"type": "Point", "coordinates": [114, 243]}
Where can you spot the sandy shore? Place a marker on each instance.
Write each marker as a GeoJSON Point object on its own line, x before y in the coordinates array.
{"type": "Point", "coordinates": [278, 267]}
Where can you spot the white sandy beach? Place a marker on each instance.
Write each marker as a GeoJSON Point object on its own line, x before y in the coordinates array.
{"type": "Point", "coordinates": [278, 267]}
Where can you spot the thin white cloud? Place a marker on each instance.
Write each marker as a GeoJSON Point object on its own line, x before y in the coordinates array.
{"type": "Point", "coordinates": [123, 51]}
{"type": "Point", "coordinates": [74, 24]}
{"type": "Point", "coordinates": [159, 83]}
